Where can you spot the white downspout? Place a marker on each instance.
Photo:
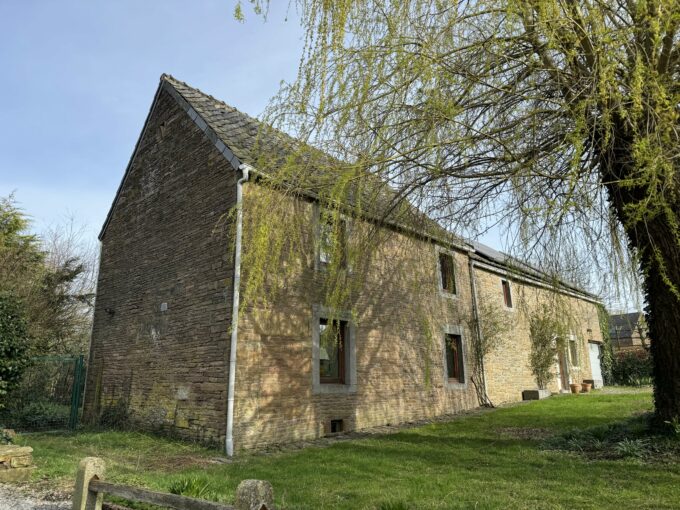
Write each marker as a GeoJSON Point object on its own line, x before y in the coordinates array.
{"type": "Point", "coordinates": [245, 169]}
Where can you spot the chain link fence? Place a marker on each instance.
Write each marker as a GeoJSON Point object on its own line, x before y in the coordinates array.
{"type": "Point", "coordinates": [49, 395]}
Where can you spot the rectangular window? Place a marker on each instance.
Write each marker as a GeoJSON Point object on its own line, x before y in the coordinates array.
{"type": "Point", "coordinates": [573, 352]}
{"type": "Point", "coordinates": [507, 293]}
{"type": "Point", "coordinates": [447, 273]}
{"type": "Point", "coordinates": [454, 358]}
{"type": "Point", "coordinates": [332, 340]}
{"type": "Point", "coordinates": [333, 242]}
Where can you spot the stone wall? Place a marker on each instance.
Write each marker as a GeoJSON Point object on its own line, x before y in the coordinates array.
{"type": "Point", "coordinates": [159, 354]}
{"type": "Point", "coordinates": [507, 369]}
{"type": "Point", "coordinates": [400, 316]}
{"type": "Point", "coordinates": [16, 463]}
{"type": "Point", "coordinates": [161, 325]}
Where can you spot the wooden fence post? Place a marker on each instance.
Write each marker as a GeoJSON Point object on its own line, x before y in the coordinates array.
{"type": "Point", "coordinates": [254, 495]}
{"type": "Point", "coordinates": [83, 499]}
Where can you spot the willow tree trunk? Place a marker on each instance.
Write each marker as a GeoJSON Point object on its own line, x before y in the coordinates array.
{"type": "Point", "coordinates": [655, 240]}
{"type": "Point", "coordinates": [663, 318]}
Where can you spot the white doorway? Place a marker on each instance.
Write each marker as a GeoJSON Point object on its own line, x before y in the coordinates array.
{"type": "Point", "coordinates": [594, 351]}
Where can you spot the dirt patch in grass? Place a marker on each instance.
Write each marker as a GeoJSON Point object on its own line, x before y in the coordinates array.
{"type": "Point", "coordinates": [524, 433]}
{"type": "Point", "coordinates": [175, 463]}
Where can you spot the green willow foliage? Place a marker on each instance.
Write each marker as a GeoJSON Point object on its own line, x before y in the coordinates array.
{"type": "Point", "coordinates": [549, 328]}
{"type": "Point", "coordinates": [488, 334]}
{"type": "Point", "coordinates": [555, 118]}
{"type": "Point", "coordinates": [607, 354]}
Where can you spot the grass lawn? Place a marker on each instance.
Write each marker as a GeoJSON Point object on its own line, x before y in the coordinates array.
{"type": "Point", "coordinates": [490, 460]}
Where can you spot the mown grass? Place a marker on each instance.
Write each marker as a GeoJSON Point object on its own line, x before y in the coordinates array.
{"type": "Point", "coordinates": [490, 460]}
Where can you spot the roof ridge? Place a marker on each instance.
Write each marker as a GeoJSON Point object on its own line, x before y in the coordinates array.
{"type": "Point", "coordinates": [170, 79]}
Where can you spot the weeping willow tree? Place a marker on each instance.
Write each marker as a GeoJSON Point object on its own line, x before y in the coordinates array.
{"type": "Point", "coordinates": [557, 119]}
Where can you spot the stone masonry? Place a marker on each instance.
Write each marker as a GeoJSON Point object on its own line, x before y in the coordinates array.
{"type": "Point", "coordinates": [161, 335]}
{"type": "Point", "coordinates": [161, 325]}
{"type": "Point", "coordinates": [16, 463]}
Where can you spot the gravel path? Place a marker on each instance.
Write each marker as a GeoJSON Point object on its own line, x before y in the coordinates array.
{"type": "Point", "coordinates": [12, 499]}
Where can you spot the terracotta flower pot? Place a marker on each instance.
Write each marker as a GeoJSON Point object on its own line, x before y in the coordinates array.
{"type": "Point", "coordinates": [585, 387]}
{"type": "Point", "coordinates": [575, 388]}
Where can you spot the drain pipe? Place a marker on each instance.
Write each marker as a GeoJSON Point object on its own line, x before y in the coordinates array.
{"type": "Point", "coordinates": [245, 170]}
{"type": "Point", "coordinates": [475, 312]}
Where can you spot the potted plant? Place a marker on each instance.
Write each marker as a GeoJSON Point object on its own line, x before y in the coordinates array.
{"type": "Point", "coordinates": [585, 387]}
{"type": "Point", "coordinates": [575, 387]}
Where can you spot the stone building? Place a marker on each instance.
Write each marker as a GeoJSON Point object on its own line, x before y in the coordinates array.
{"type": "Point", "coordinates": [169, 353]}
{"type": "Point", "coordinates": [628, 332]}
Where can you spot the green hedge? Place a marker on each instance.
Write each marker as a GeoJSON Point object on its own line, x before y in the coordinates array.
{"type": "Point", "coordinates": [632, 368]}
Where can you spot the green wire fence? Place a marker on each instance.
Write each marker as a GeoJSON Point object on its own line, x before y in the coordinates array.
{"type": "Point", "coordinates": [49, 396]}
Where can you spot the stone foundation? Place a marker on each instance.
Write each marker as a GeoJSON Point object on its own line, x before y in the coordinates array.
{"type": "Point", "coordinates": [16, 463]}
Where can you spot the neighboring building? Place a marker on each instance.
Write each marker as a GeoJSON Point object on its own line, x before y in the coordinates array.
{"type": "Point", "coordinates": [628, 332]}
{"type": "Point", "coordinates": [161, 351]}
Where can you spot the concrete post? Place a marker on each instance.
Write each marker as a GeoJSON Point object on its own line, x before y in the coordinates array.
{"type": "Point", "coordinates": [89, 468]}
{"type": "Point", "coordinates": [254, 495]}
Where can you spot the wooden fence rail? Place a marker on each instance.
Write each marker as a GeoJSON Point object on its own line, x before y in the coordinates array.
{"type": "Point", "coordinates": [90, 489]}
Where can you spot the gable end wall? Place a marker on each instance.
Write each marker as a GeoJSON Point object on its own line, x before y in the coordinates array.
{"type": "Point", "coordinates": [166, 370]}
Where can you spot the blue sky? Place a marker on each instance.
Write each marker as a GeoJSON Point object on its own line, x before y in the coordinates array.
{"type": "Point", "coordinates": [78, 78]}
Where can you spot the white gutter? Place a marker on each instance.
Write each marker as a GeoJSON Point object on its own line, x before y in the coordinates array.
{"type": "Point", "coordinates": [229, 443]}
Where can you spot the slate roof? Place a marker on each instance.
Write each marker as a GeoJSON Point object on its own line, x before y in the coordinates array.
{"type": "Point", "coordinates": [622, 325]}
{"type": "Point", "coordinates": [265, 148]}
{"type": "Point", "coordinates": [485, 253]}
{"type": "Point", "coordinates": [239, 131]}
{"type": "Point", "coordinates": [244, 139]}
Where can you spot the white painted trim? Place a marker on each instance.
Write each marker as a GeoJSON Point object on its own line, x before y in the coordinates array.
{"type": "Point", "coordinates": [231, 388]}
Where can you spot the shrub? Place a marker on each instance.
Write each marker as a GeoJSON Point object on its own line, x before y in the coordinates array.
{"type": "Point", "coordinates": [115, 415]}
{"type": "Point", "coordinates": [548, 326]}
{"type": "Point", "coordinates": [6, 436]}
{"type": "Point", "coordinates": [38, 415]}
{"type": "Point", "coordinates": [635, 438]}
{"type": "Point", "coordinates": [632, 368]}
{"type": "Point", "coordinates": [637, 448]}
{"type": "Point", "coordinates": [192, 487]}
{"type": "Point", "coordinates": [13, 344]}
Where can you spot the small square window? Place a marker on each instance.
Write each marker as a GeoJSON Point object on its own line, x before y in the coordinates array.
{"type": "Point", "coordinates": [447, 273]}
{"type": "Point", "coordinates": [454, 358]}
{"type": "Point", "coordinates": [332, 341]}
{"type": "Point", "coordinates": [507, 293]}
